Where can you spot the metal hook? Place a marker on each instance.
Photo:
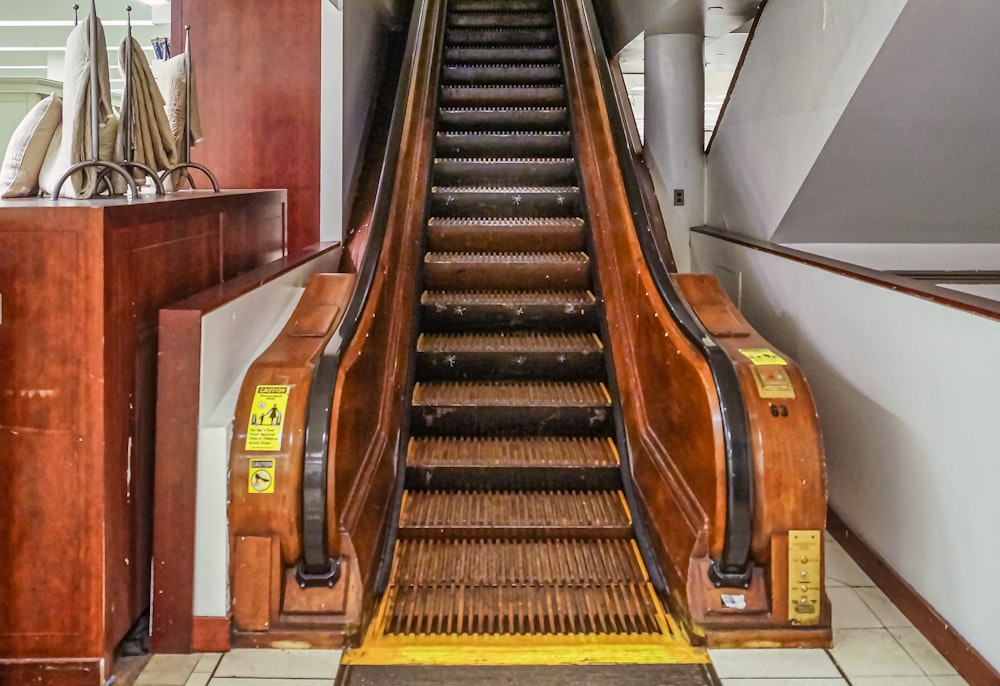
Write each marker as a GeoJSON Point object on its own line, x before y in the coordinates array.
{"type": "Point", "coordinates": [76, 14]}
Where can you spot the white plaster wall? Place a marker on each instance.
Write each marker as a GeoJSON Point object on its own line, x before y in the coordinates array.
{"type": "Point", "coordinates": [331, 156]}
{"type": "Point", "coordinates": [363, 21]}
{"type": "Point", "coordinates": [674, 120]}
{"type": "Point", "coordinates": [805, 63]}
{"type": "Point", "coordinates": [906, 392]}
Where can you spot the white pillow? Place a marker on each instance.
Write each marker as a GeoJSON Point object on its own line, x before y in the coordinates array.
{"type": "Point", "coordinates": [27, 147]}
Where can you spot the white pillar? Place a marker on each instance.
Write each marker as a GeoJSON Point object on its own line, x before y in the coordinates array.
{"type": "Point", "coordinates": [674, 125]}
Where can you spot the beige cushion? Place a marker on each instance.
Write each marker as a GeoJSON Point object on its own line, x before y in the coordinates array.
{"type": "Point", "coordinates": [27, 147]}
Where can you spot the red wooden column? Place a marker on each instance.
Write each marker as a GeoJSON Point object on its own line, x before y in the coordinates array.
{"type": "Point", "coordinates": [257, 67]}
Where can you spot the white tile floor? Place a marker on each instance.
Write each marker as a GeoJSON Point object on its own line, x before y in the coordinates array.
{"type": "Point", "coordinates": [874, 645]}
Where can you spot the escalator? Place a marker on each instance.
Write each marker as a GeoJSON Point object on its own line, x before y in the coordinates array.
{"type": "Point", "coordinates": [513, 521]}
{"type": "Point", "coordinates": [527, 441]}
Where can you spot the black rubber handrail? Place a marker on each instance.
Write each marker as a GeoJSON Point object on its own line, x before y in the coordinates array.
{"type": "Point", "coordinates": [316, 565]}
{"type": "Point", "coordinates": [734, 567]}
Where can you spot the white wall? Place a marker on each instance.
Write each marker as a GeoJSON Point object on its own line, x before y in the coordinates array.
{"type": "Point", "coordinates": [907, 396]}
{"type": "Point", "coordinates": [331, 161]}
{"type": "Point", "coordinates": [804, 65]}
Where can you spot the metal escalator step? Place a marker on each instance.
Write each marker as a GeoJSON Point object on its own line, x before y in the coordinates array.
{"type": "Point", "coordinates": [503, 144]}
{"type": "Point", "coordinates": [495, 171]}
{"type": "Point", "coordinates": [510, 355]}
{"type": "Point", "coordinates": [520, 515]}
{"type": "Point", "coordinates": [545, 234]}
{"type": "Point", "coordinates": [503, 119]}
{"type": "Point", "coordinates": [500, 5]}
{"type": "Point", "coordinates": [525, 588]}
{"type": "Point", "coordinates": [506, 271]}
{"type": "Point", "coordinates": [499, 53]}
{"type": "Point", "coordinates": [505, 201]}
{"type": "Point", "coordinates": [523, 463]}
{"type": "Point", "coordinates": [501, 96]}
{"type": "Point", "coordinates": [533, 310]}
{"type": "Point", "coordinates": [489, 74]}
{"type": "Point", "coordinates": [481, 19]}
{"type": "Point", "coordinates": [500, 36]}
{"type": "Point", "coordinates": [510, 408]}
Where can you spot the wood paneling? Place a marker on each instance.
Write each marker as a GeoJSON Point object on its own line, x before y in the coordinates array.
{"type": "Point", "coordinates": [258, 65]}
{"type": "Point", "coordinates": [81, 284]}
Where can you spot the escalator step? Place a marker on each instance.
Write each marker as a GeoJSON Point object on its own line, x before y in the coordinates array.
{"type": "Point", "coordinates": [478, 19]}
{"type": "Point", "coordinates": [503, 119]}
{"type": "Point", "coordinates": [492, 171]}
{"type": "Point", "coordinates": [503, 144]}
{"type": "Point", "coordinates": [499, 53]}
{"type": "Point", "coordinates": [509, 563]}
{"type": "Point", "coordinates": [553, 234]}
{"type": "Point", "coordinates": [505, 201]}
{"type": "Point", "coordinates": [517, 310]}
{"type": "Point", "coordinates": [506, 271]}
{"type": "Point", "coordinates": [500, 36]}
{"type": "Point", "coordinates": [490, 74]}
{"type": "Point", "coordinates": [523, 515]}
{"type": "Point", "coordinates": [500, 5]}
{"type": "Point", "coordinates": [510, 355]}
{"type": "Point", "coordinates": [502, 96]}
{"type": "Point", "coordinates": [523, 463]}
{"type": "Point", "coordinates": [511, 408]}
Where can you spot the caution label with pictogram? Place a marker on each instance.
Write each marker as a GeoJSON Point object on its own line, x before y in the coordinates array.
{"type": "Point", "coordinates": [267, 417]}
{"type": "Point", "coordinates": [261, 476]}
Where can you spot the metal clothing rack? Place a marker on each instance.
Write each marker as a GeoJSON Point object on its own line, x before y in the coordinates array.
{"type": "Point", "coordinates": [187, 164]}
{"type": "Point", "coordinates": [106, 165]}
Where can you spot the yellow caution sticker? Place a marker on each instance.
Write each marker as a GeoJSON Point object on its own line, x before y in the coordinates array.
{"type": "Point", "coordinates": [762, 356]}
{"type": "Point", "coordinates": [261, 476]}
{"type": "Point", "coordinates": [267, 416]}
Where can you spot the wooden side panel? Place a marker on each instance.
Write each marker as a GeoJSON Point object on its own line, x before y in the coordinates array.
{"type": "Point", "coordinates": [51, 439]}
{"type": "Point", "coordinates": [251, 236]}
{"type": "Point", "coordinates": [259, 98]}
{"type": "Point", "coordinates": [371, 384]}
{"type": "Point", "coordinates": [52, 673]}
{"type": "Point", "coordinates": [288, 361]}
{"type": "Point", "coordinates": [252, 582]}
{"type": "Point", "coordinates": [789, 466]}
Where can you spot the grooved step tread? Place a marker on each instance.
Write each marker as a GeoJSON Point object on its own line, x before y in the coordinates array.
{"type": "Point", "coordinates": [464, 258]}
{"type": "Point", "coordinates": [510, 394]}
{"type": "Point", "coordinates": [429, 453]}
{"type": "Point", "coordinates": [511, 342]}
{"type": "Point", "coordinates": [460, 54]}
{"type": "Point", "coordinates": [571, 300]}
{"type": "Point", "coordinates": [516, 512]}
{"type": "Point", "coordinates": [493, 563]}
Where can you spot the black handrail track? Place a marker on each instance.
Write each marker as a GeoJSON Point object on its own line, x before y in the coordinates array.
{"type": "Point", "coordinates": [315, 555]}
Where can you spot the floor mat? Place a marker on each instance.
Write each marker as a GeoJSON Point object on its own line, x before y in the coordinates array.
{"type": "Point", "coordinates": [563, 675]}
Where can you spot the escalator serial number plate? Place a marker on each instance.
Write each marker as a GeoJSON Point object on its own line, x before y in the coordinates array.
{"type": "Point", "coordinates": [804, 575]}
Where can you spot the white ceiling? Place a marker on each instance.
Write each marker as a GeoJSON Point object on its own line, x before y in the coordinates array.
{"type": "Point", "coordinates": [33, 34]}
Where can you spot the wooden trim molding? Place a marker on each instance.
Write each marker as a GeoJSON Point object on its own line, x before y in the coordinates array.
{"type": "Point", "coordinates": [210, 634]}
{"type": "Point", "coordinates": [966, 302]}
{"type": "Point", "coordinates": [953, 647]}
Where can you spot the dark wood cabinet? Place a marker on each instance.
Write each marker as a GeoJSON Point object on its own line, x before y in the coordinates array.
{"type": "Point", "coordinates": [81, 284]}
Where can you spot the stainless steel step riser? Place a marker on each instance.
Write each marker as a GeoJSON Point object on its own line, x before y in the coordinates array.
{"type": "Point", "coordinates": [497, 204]}
{"type": "Point", "coordinates": [533, 54]}
{"type": "Point", "coordinates": [491, 37]}
{"type": "Point", "coordinates": [499, 119]}
{"type": "Point", "coordinates": [503, 144]}
{"type": "Point", "coordinates": [493, 172]}
{"type": "Point", "coordinates": [502, 96]}
{"type": "Point", "coordinates": [505, 74]}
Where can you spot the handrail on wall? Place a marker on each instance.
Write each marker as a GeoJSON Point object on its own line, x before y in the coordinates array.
{"type": "Point", "coordinates": [316, 565]}
{"type": "Point", "coordinates": [734, 567]}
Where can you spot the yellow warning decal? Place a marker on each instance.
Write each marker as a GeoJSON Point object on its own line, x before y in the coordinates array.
{"type": "Point", "coordinates": [762, 356]}
{"type": "Point", "coordinates": [261, 476]}
{"type": "Point", "coordinates": [267, 416]}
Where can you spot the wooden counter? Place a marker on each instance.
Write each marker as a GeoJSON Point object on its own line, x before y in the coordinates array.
{"type": "Point", "coordinates": [81, 284]}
